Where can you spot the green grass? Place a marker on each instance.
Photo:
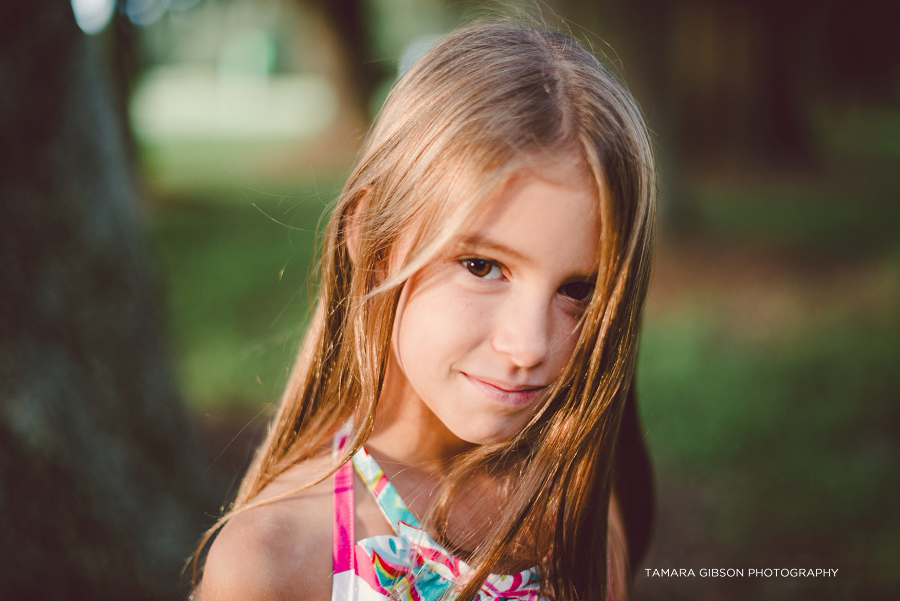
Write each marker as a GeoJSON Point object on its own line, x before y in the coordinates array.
{"type": "Point", "coordinates": [796, 436]}
{"type": "Point", "coordinates": [858, 133]}
{"type": "Point", "coordinates": [852, 215]}
{"type": "Point", "coordinates": [235, 266]}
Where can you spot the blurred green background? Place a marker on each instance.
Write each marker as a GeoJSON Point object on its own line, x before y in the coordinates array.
{"type": "Point", "coordinates": [768, 371]}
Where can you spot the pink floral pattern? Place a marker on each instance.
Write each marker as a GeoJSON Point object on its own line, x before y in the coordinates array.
{"type": "Point", "coordinates": [410, 566]}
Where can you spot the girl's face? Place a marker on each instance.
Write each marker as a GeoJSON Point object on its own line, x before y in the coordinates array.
{"type": "Point", "coordinates": [484, 330]}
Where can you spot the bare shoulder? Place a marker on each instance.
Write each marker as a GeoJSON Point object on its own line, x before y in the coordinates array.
{"type": "Point", "coordinates": [279, 551]}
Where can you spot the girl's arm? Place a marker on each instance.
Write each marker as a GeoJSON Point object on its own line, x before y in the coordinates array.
{"type": "Point", "coordinates": [275, 552]}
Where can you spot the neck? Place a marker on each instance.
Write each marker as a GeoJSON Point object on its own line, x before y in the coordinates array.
{"type": "Point", "coordinates": [407, 433]}
{"type": "Point", "coordinates": [415, 449]}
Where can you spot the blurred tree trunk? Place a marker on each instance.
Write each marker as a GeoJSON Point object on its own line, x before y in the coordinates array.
{"type": "Point", "coordinates": [102, 492]}
{"type": "Point", "coordinates": [347, 25]}
{"type": "Point", "coordinates": [721, 83]}
{"type": "Point", "coordinates": [633, 37]}
{"type": "Point", "coordinates": [123, 65]}
{"type": "Point", "coordinates": [724, 76]}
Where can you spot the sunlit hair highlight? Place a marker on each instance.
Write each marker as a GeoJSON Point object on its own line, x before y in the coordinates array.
{"type": "Point", "coordinates": [474, 111]}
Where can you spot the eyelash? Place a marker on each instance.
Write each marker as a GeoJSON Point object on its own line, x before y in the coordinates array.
{"type": "Point", "coordinates": [585, 294]}
{"type": "Point", "coordinates": [578, 295]}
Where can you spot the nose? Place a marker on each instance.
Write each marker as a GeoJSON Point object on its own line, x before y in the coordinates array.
{"type": "Point", "coordinates": [522, 331]}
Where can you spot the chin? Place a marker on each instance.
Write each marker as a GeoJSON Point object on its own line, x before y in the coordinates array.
{"type": "Point", "coordinates": [479, 434]}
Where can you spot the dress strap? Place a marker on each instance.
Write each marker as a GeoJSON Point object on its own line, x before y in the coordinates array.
{"type": "Point", "coordinates": [344, 515]}
{"type": "Point", "coordinates": [392, 506]}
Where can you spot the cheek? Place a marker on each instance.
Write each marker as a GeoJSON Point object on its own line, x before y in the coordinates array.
{"type": "Point", "coordinates": [566, 329]}
{"type": "Point", "coordinates": [437, 324]}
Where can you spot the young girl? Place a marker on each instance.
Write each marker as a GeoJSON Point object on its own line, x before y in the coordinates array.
{"type": "Point", "coordinates": [471, 350]}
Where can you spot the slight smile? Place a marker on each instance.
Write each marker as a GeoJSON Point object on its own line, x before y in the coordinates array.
{"type": "Point", "coordinates": [508, 395]}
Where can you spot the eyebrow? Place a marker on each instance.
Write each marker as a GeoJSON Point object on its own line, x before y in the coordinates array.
{"type": "Point", "coordinates": [477, 242]}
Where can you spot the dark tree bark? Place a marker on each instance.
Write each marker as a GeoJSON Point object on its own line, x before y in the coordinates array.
{"type": "Point", "coordinates": [102, 490]}
{"type": "Point", "coordinates": [634, 39]}
{"type": "Point", "coordinates": [348, 22]}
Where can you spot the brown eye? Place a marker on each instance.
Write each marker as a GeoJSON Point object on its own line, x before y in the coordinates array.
{"type": "Point", "coordinates": [480, 268]}
{"type": "Point", "coordinates": [579, 291]}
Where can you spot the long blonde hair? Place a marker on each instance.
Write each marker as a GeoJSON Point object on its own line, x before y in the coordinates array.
{"type": "Point", "coordinates": [475, 108]}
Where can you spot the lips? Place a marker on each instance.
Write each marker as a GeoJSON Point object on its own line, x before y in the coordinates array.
{"type": "Point", "coordinates": [508, 395]}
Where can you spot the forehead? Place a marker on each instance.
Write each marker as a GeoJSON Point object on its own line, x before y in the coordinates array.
{"type": "Point", "coordinates": [545, 213]}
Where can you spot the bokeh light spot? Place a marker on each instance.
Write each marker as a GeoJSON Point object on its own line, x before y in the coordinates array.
{"type": "Point", "coordinates": [145, 12]}
{"type": "Point", "coordinates": [93, 15]}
